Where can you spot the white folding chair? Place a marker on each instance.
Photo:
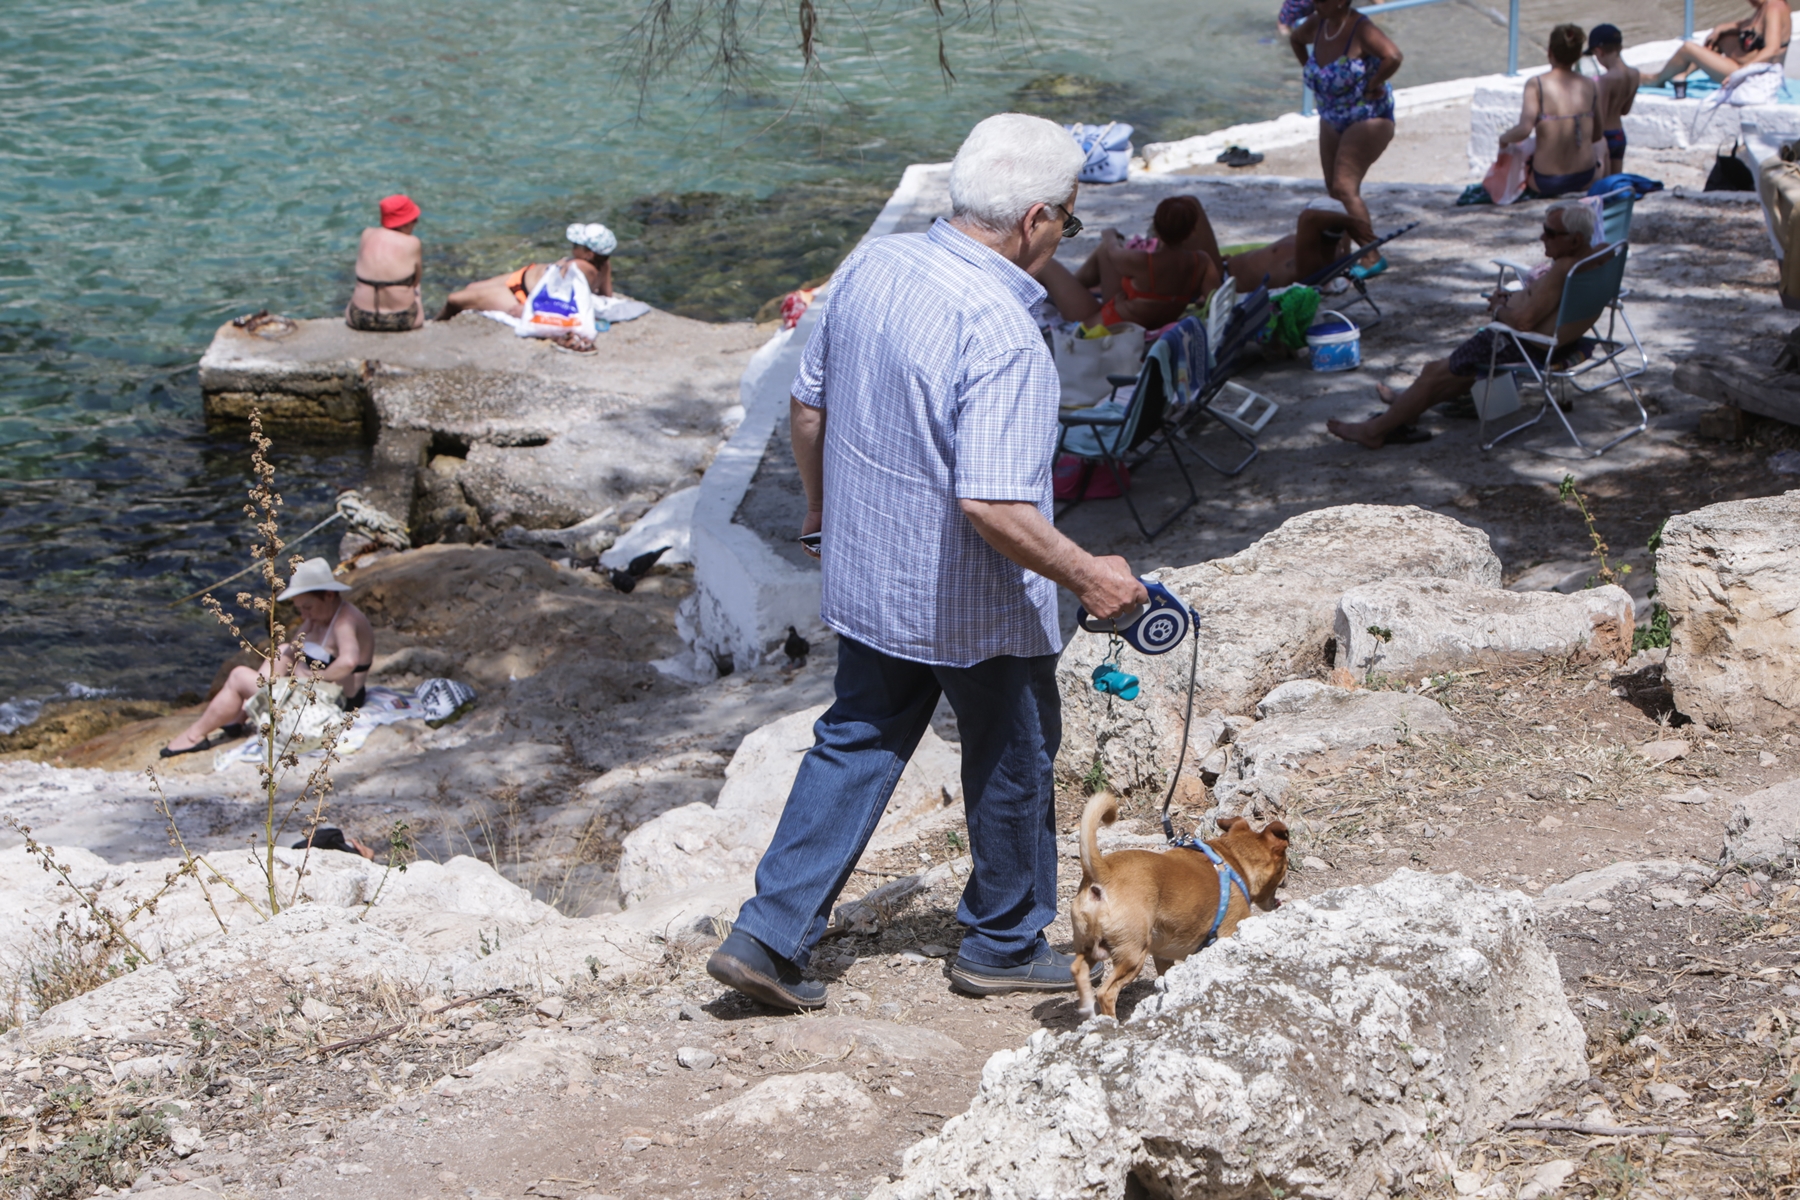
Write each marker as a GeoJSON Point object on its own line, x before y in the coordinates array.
{"type": "Point", "coordinates": [1591, 290]}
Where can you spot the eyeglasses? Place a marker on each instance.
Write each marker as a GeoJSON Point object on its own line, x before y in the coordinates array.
{"type": "Point", "coordinates": [1071, 222]}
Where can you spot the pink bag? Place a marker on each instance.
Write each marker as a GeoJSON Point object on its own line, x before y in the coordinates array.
{"type": "Point", "coordinates": [1100, 482]}
{"type": "Point", "coordinates": [1505, 181]}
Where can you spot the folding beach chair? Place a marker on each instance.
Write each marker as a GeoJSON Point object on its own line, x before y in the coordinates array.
{"type": "Point", "coordinates": [1341, 269]}
{"type": "Point", "coordinates": [1217, 397]}
{"type": "Point", "coordinates": [1591, 289]}
{"type": "Point", "coordinates": [1107, 433]}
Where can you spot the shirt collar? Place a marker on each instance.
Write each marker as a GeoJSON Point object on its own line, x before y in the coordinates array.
{"type": "Point", "coordinates": [944, 234]}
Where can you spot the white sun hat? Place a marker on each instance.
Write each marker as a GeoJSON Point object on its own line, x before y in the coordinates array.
{"type": "Point", "coordinates": [313, 575]}
{"type": "Point", "coordinates": [595, 237]}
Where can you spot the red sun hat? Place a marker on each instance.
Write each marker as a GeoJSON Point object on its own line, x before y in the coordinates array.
{"type": "Point", "coordinates": [397, 210]}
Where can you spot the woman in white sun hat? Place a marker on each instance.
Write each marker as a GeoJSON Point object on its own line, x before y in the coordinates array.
{"type": "Point", "coordinates": [335, 643]}
{"type": "Point", "coordinates": [590, 249]}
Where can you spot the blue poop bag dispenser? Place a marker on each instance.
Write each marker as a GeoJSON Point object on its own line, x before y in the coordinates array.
{"type": "Point", "coordinates": [1155, 628]}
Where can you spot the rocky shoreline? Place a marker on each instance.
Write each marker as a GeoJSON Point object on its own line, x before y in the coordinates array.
{"type": "Point", "coordinates": [1539, 874]}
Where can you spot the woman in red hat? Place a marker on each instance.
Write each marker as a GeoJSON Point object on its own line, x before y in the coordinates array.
{"type": "Point", "coordinates": [389, 263]}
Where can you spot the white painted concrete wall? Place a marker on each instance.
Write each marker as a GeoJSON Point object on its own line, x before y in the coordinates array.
{"type": "Point", "coordinates": [745, 595]}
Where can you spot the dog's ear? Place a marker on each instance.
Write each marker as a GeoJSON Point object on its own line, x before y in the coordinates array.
{"type": "Point", "coordinates": [1276, 829]}
{"type": "Point", "coordinates": [1227, 824]}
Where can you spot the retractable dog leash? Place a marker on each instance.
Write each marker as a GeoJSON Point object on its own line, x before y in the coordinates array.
{"type": "Point", "coordinates": [1157, 628]}
{"type": "Point", "coordinates": [1153, 628]}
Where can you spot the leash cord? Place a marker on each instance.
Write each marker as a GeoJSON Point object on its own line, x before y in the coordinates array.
{"type": "Point", "coordinates": [1187, 722]}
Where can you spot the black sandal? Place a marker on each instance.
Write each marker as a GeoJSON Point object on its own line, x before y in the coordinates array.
{"type": "Point", "coordinates": [1239, 156]}
{"type": "Point", "coordinates": [1407, 435]}
{"type": "Point", "coordinates": [197, 746]}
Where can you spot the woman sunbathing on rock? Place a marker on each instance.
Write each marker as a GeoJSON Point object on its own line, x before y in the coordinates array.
{"type": "Point", "coordinates": [336, 645]}
{"type": "Point", "coordinates": [590, 249]}
{"type": "Point", "coordinates": [1149, 287]}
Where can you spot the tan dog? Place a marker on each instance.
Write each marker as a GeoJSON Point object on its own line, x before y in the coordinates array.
{"type": "Point", "coordinates": [1139, 903]}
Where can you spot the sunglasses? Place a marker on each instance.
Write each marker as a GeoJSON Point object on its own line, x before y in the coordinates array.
{"type": "Point", "coordinates": [1549, 232]}
{"type": "Point", "coordinates": [1071, 222]}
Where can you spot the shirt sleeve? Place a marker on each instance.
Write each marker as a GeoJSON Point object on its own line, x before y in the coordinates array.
{"type": "Point", "coordinates": [1006, 427]}
{"type": "Point", "coordinates": [809, 381]}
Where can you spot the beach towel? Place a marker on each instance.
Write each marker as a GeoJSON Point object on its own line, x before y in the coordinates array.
{"type": "Point", "coordinates": [436, 702]}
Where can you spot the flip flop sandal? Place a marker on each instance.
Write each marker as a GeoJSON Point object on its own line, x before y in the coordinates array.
{"type": "Point", "coordinates": [1239, 156]}
{"type": "Point", "coordinates": [1407, 435]}
{"type": "Point", "coordinates": [1360, 272]}
{"type": "Point", "coordinates": [193, 749]}
{"type": "Point", "coordinates": [236, 729]}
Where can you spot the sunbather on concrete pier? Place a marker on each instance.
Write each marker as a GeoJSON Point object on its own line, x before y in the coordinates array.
{"type": "Point", "coordinates": [1569, 235]}
{"type": "Point", "coordinates": [389, 263]}
{"type": "Point", "coordinates": [1321, 236]}
{"type": "Point", "coordinates": [590, 249]}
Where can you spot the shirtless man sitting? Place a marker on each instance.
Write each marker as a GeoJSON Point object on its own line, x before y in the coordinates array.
{"type": "Point", "coordinates": [389, 263]}
{"type": "Point", "coordinates": [1569, 233]}
{"type": "Point", "coordinates": [590, 249]}
{"type": "Point", "coordinates": [1618, 89]}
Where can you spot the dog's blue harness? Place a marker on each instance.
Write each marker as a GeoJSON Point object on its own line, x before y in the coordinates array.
{"type": "Point", "coordinates": [1228, 876]}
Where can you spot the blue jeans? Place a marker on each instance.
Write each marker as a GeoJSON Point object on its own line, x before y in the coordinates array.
{"type": "Point", "coordinates": [1011, 721]}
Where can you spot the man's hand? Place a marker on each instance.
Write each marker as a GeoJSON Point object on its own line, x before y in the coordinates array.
{"type": "Point", "coordinates": [1112, 590]}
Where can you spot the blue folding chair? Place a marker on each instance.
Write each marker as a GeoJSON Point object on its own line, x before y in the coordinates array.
{"type": "Point", "coordinates": [1591, 289]}
{"type": "Point", "coordinates": [1109, 432]}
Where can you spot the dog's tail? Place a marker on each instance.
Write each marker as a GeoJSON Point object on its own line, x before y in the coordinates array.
{"type": "Point", "coordinates": [1103, 809]}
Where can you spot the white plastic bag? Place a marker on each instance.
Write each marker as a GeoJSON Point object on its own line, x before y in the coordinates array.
{"type": "Point", "coordinates": [1084, 363]}
{"type": "Point", "coordinates": [560, 303]}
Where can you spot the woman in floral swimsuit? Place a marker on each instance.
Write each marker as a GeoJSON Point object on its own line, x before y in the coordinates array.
{"type": "Point", "coordinates": [1347, 63]}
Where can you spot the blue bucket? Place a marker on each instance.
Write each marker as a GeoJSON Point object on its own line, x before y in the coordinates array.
{"type": "Point", "coordinates": [1335, 342]}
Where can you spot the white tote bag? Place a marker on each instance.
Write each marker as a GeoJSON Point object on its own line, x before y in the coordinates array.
{"type": "Point", "coordinates": [1084, 363]}
{"type": "Point", "coordinates": [560, 303]}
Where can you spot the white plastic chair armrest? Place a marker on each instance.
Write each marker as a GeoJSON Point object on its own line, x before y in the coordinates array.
{"type": "Point", "coordinates": [1507, 264]}
{"type": "Point", "coordinates": [1522, 335]}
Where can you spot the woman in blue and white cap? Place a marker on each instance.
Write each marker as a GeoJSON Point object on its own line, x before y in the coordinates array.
{"type": "Point", "coordinates": [590, 249]}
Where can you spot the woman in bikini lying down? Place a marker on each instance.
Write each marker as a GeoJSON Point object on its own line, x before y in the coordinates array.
{"type": "Point", "coordinates": [1321, 236]}
{"type": "Point", "coordinates": [1150, 287]}
{"type": "Point", "coordinates": [590, 249]}
{"type": "Point", "coordinates": [336, 644]}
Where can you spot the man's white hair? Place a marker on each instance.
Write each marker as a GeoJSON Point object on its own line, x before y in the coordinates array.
{"type": "Point", "coordinates": [1008, 163]}
{"type": "Point", "coordinates": [1578, 219]}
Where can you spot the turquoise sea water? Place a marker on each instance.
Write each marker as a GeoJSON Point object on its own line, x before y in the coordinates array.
{"type": "Point", "coordinates": [167, 164]}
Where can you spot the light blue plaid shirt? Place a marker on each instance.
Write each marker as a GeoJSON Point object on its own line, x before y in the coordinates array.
{"type": "Point", "coordinates": [938, 388]}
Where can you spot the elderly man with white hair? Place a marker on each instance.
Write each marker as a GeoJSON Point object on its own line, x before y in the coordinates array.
{"type": "Point", "coordinates": [923, 422]}
{"type": "Point", "coordinates": [590, 249]}
{"type": "Point", "coordinates": [1569, 233]}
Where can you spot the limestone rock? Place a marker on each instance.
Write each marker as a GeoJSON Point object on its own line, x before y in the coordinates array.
{"type": "Point", "coordinates": [536, 1055]}
{"type": "Point", "coordinates": [791, 1099]}
{"type": "Point", "coordinates": [1266, 613]}
{"type": "Point", "coordinates": [1325, 1051]}
{"type": "Point", "coordinates": [1305, 717]}
{"type": "Point", "coordinates": [1729, 574]}
{"type": "Point", "coordinates": [185, 1141]}
{"type": "Point", "coordinates": [704, 843]}
{"type": "Point", "coordinates": [1592, 889]}
{"type": "Point", "coordinates": [1409, 626]}
{"type": "Point", "coordinates": [1764, 829]}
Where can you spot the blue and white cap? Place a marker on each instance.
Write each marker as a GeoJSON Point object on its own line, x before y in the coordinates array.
{"type": "Point", "coordinates": [595, 237]}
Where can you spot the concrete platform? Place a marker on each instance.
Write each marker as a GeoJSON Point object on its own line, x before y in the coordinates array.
{"type": "Point", "coordinates": [522, 432]}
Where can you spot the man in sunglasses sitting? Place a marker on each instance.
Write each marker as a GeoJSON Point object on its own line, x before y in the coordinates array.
{"type": "Point", "coordinates": [923, 420]}
{"type": "Point", "coordinates": [1569, 234]}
